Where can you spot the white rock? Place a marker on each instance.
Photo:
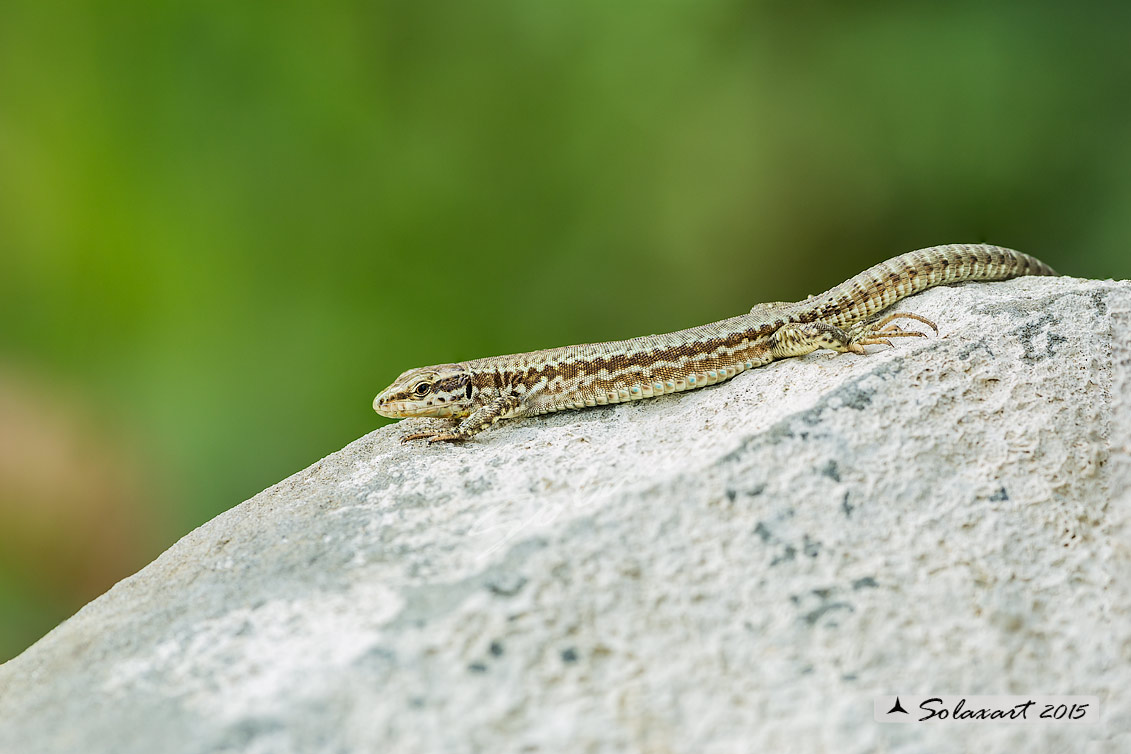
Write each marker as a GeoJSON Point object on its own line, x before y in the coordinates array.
{"type": "Point", "coordinates": [739, 568]}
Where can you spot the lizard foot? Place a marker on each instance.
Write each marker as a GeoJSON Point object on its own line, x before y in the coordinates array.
{"type": "Point", "coordinates": [447, 437]}
{"type": "Point", "coordinates": [445, 431]}
{"type": "Point", "coordinates": [880, 331]}
{"type": "Point", "coordinates": [435, 436]}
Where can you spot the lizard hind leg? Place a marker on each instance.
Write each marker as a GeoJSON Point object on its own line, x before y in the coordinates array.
{"type": "Point", "coordinates": [800, 338]}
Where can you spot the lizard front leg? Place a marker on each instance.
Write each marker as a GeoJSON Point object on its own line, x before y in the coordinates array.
{"type": "Point", "coordinates": [503, 407]}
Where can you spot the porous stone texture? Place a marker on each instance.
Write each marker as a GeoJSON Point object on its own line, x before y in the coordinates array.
{"type": "Point", "coordinates": [739, 568]}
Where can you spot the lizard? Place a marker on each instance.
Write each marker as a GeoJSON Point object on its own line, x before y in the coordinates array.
{"type": "Point", "coordinates": [473, 395]}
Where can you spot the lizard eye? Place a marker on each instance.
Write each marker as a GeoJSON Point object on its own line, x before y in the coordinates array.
{"type": "Point", "coordinates": [422, 388]}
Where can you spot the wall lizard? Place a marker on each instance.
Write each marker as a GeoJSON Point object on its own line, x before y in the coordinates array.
{"type": "Point", "coordinates": [473, 395]}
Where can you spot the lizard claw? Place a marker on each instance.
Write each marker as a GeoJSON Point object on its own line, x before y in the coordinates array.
{"type": "Point", "coordinates": [887, 321]}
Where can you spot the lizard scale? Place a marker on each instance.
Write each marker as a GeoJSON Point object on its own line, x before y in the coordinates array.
{"type": "Point", "coordinates": [473, 395]}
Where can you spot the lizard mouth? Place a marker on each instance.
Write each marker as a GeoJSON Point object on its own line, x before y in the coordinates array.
{"type": "Point", "coordinates": [393, 409]}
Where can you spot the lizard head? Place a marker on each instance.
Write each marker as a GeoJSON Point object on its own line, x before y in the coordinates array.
{"type": "Point", "coordinates": [443, 390]}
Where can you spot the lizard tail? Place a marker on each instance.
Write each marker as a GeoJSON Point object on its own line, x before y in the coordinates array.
{"type": "Point", "coordinates": [917, 271]}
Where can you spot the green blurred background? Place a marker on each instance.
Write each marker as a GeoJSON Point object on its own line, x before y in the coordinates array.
{"type": "Point", "coordinates": [225, 226]}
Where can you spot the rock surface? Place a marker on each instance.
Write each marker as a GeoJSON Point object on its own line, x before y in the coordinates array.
{"type": "Point", "coordinates": [739, 568]}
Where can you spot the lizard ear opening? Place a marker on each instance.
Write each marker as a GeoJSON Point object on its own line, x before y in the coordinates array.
{"type": "Point", "coordinates": [468, 391]}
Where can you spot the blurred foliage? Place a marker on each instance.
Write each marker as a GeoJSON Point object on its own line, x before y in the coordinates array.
{"type": "Point", "coordinates": [225, 226]}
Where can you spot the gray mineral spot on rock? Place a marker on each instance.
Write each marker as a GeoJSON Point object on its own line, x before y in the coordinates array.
{"type": "Point", "coordinates": [1032, 330]}
{"type": "Point", "coordinates": [831, 471]}
{"type": "Point", "coordinates": [658, 586]}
